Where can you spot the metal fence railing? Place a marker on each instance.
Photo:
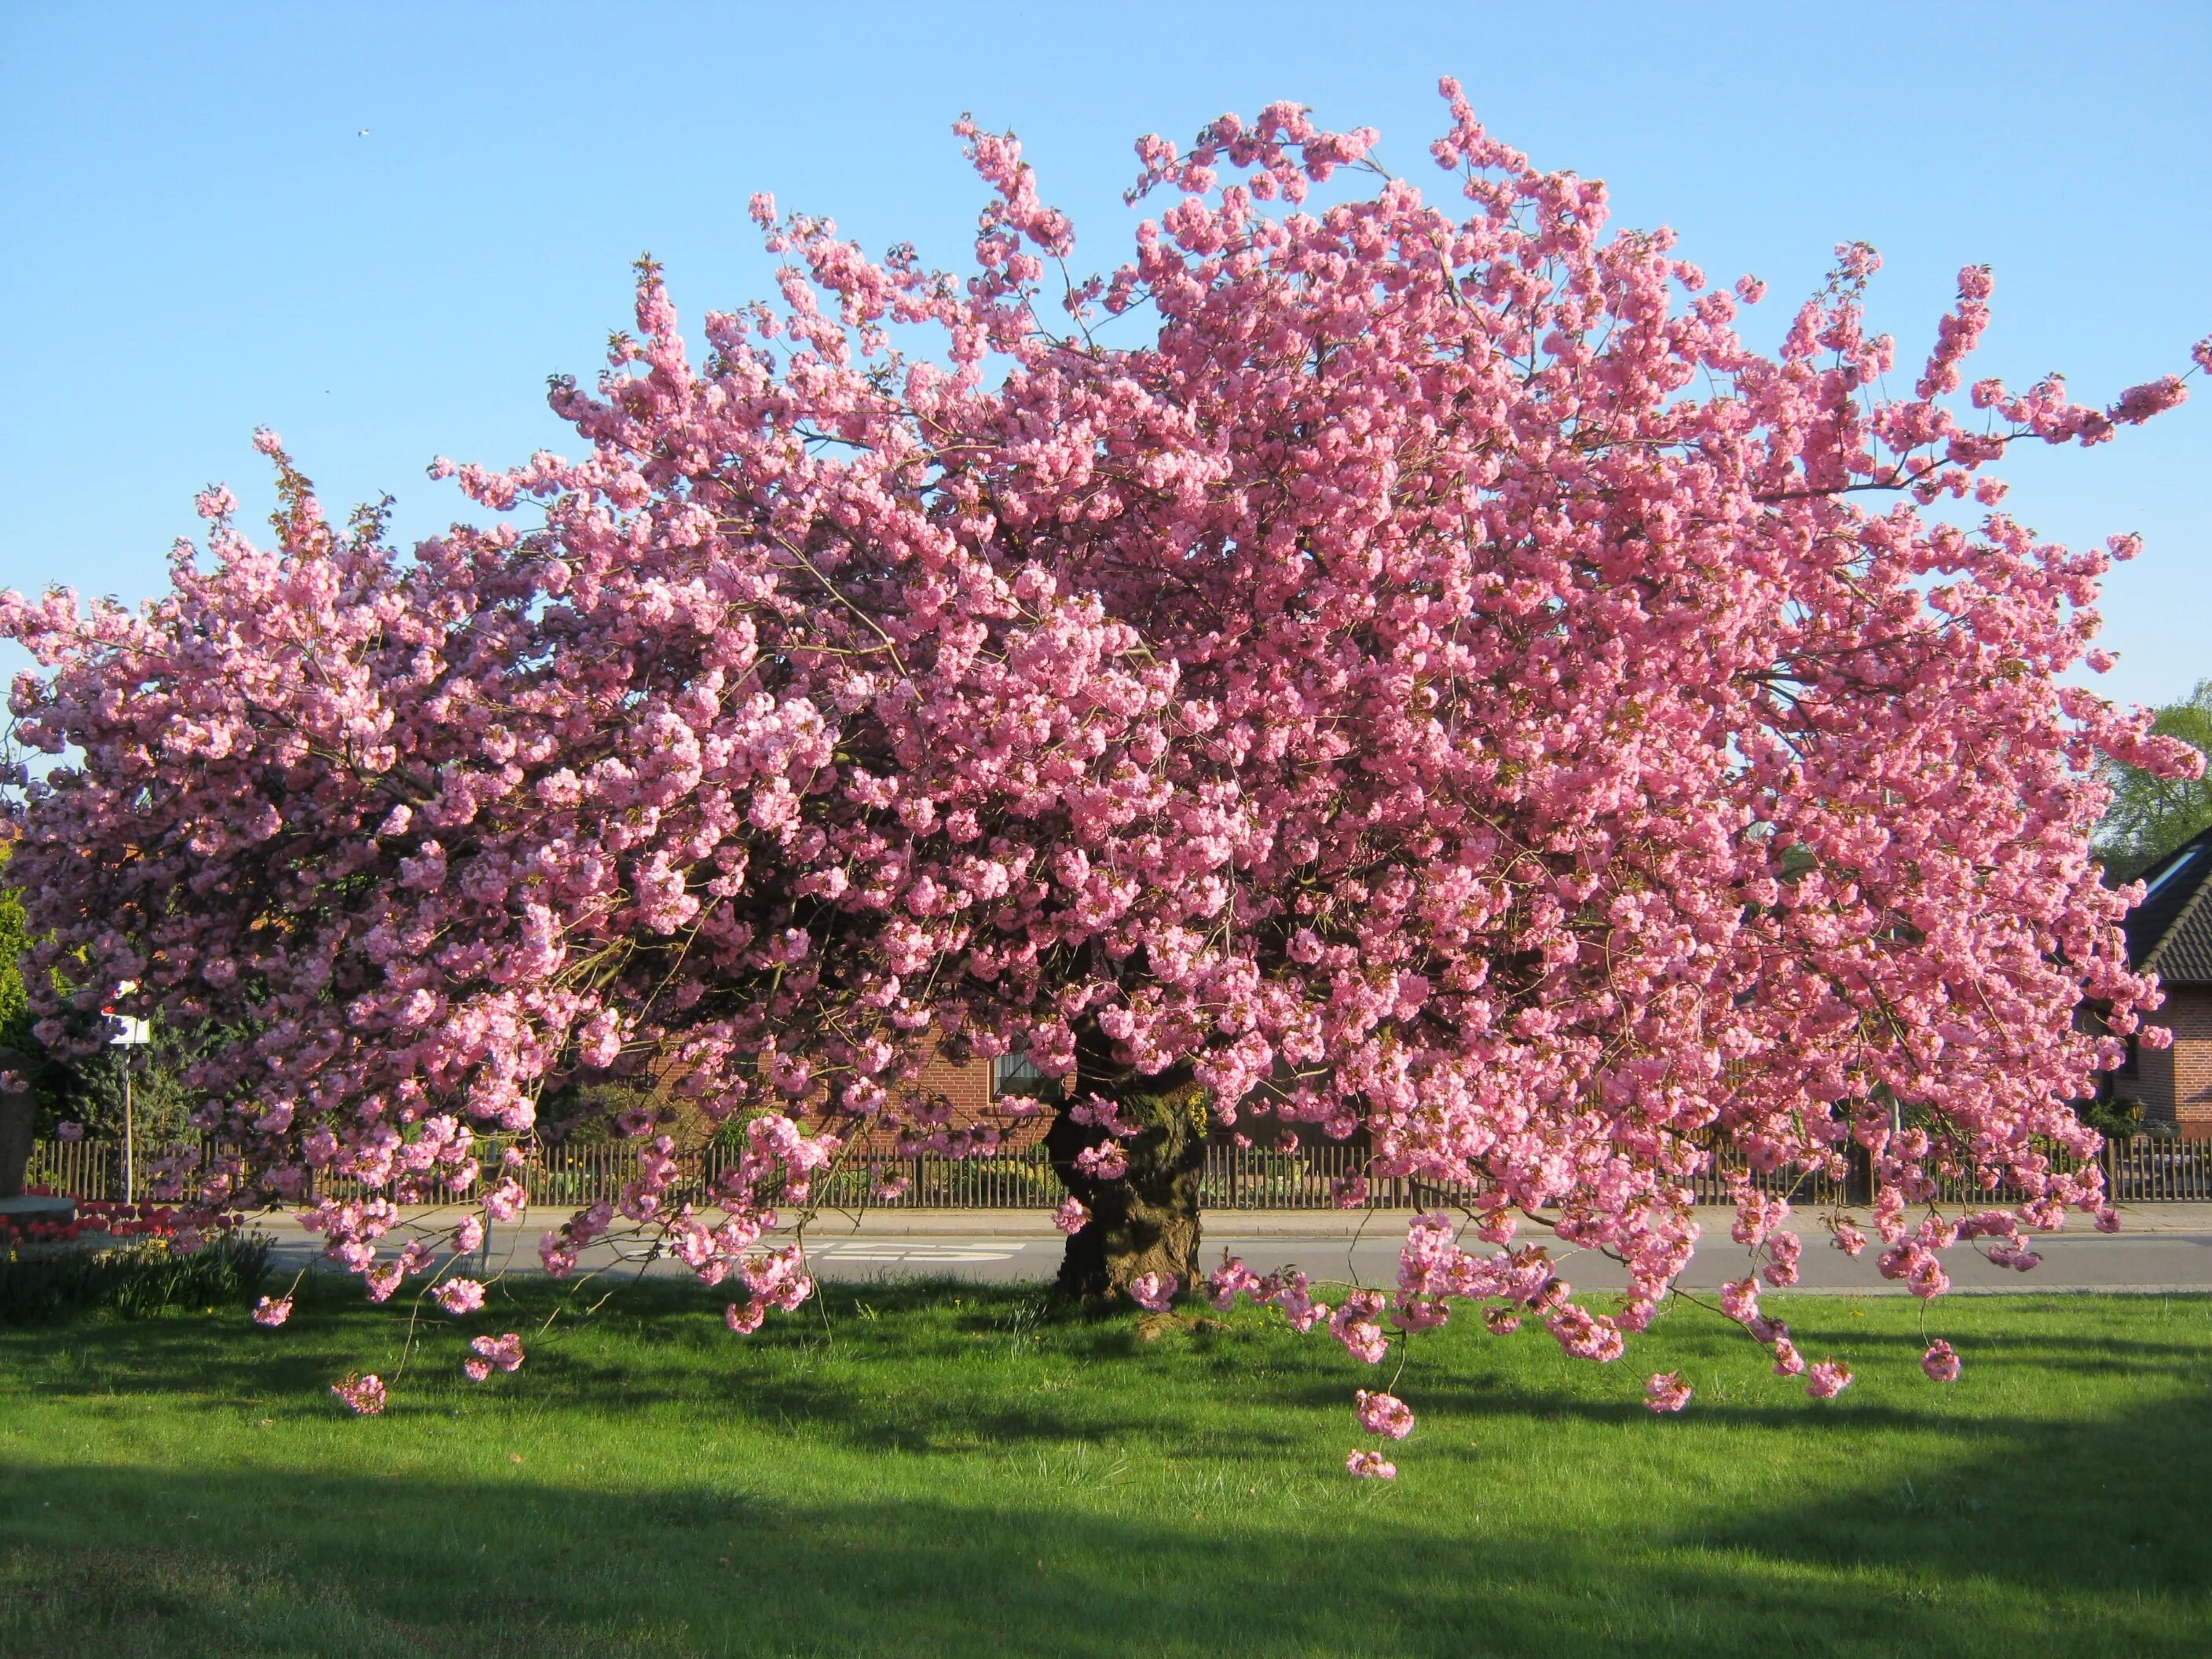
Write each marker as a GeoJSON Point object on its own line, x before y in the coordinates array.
{"type": "Point", "coordinates": [2141, 1171]}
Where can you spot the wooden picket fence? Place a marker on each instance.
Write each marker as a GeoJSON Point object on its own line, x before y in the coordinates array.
{"type": "Point", "coordinates": [2142, 1170]}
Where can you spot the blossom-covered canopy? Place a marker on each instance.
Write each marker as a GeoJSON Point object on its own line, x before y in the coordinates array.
{"type": "Point", "coordinates": [1410, 663]}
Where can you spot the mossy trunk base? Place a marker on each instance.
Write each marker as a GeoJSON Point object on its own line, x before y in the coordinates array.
{"type": "Point", "coordinates": [1147, 1221]}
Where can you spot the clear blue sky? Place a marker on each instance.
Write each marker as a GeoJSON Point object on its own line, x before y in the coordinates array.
{"type": "Point", "coordinates": [194, 239]}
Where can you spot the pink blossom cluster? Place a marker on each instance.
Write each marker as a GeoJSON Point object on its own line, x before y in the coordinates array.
{"type": "Point", "coordinates": [1827, 1380]}
{"type": "Point", "coordinates": [777, 1279]}
{"type": "Point", "coordinates": [1291, 1291]}
{"type": "Point", "coordinates": [460, 1296]}
{"type": "Point", "coordinates": [362, 1394]}
{"type": "Point", "coordinates": [1436, 681]}
{"type": "Point", "coordinates": [1384, 1414]}
{"type": "Point", "coordinates": [1370, 1466]}
{"type": "Point", "coordinates": [489, 1352]}
{"type": "Point", "coordinates": [1154, 1293]}
{"type": "Point", "coordinates": [1354, 1325]}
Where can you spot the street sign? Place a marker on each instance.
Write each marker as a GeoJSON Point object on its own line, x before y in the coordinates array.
{"type": "Point", "coordinates": [135, 1032]}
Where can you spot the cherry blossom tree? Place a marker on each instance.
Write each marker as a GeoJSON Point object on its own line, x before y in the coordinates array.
{"type": "Point", "coordinates": [1406, 669]}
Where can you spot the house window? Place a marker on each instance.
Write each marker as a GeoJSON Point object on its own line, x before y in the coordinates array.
{"type": "Point", "coordinates": [1012, 1074]}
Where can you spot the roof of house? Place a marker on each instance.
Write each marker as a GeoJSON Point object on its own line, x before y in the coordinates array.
{"type": "Point", "coordinates": [2171, 931]}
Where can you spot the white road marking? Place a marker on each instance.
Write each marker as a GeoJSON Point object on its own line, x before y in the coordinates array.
{"type": "Point", "coordinates": [889, 1250]}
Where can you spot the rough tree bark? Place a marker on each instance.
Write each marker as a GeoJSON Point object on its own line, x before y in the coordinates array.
{"type": "Point", "coordinates": [1147, 1221]}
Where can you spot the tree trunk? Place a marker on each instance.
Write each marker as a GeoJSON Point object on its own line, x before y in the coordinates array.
{"type": "Point", "coordinates": [16, 1112]}
{"type": "Point", "coordinates": [1147, 1221]}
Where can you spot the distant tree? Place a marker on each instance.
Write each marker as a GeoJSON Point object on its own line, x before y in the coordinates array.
{"type": "Point", "coordinates": [88, 1088]}
{"type": "Point", "coordinates": [33, 1083]}
{"type": "Point", "coordinates": [160, 1099]}
{"type": "Point", "coordinates": [2152, 814]}
{"type": "Point", "coordinates": [15, 937]}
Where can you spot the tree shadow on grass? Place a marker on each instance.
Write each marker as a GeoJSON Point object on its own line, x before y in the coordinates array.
{"type": "Point", "coordinates": [920, 1376]}
{"type": "Point", "coordinates": [1900, 1517]}
{"type": "Point", "coordinates": [113, 1560]}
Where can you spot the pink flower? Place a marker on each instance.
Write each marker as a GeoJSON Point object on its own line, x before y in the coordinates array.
{"type": "Point", "coordinates": [1291, 1292]}
{"type": "Point", "coordinates": [505, 1202]}
{"type": "Point", "coordinates": [1788, 1362]}
{"type": "Point", "coordinates": [460, 1296]}
{"type": "Point", "coordinates": [1667, 1392]}
{"type": "Point", "coordinates": [1926, 1278]}
{"type": "Point", "coordinates": [1941, 1362]}
{"type": "Point", "coordinates": [1782, 1250]}
{"type": "Point", "coordinates": [504, 1352]}
{"type": "Point", "coordinates": [475, 1370]}
{"type": "Point", "coordinates": [1370, 1466]}
{"type": "Point", "coordinates": [1827, 1380]}
{"type": "Point", "coordinates": [1072, 1216]}
{"type": "Point", "coordinates": [1384, 1414]}
{"type": "Point", "coordinates": [1849, 1239]}
{"type": "Point", "coordinates": [1104, 1163]}
{"type": "Point", "coordinates": [1153, 1292]}
{"type": "Point", "coordinates": [66, 1130]}
{"type": "Point", "coordinates": [2014, 1254]}
{"type": "Point", "coordinates": [272, 1313]}
{"type": "Point", "coordinates": [1231, 1280]}
{"type": "Point", "coordinates": [745, 1318]}
{"type": "Point", "coordinates": [558, 1255]}
{"type": "Point", "coordinates": [1353, 1325]}
{"type": "Point", "coordinates": [1586, 1335]}
{"type": "Point", "coordinates": [779, 1279]}
{"type": "Point", "coordinates": [363, 1395]}
{"type": "Point", "coordinates": [2140, 403]}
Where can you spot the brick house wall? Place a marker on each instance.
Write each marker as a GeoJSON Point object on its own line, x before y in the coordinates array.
{"type": "Point", "coordinates": [971, 1090]}
{"type": "Point", "coordinates": [2175, 1084]}
{"type": "Point", "coordinates": [2169, 934]}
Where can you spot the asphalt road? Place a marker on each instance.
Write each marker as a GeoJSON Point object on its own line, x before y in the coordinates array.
{"type": "Point", "coordinates": [2166, 1261]}
{"type": "Point", "coordinates": [2170, 1260]}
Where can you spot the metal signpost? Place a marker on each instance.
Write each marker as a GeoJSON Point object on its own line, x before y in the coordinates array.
{"type": "Point", "coordinates": [134, 1033]}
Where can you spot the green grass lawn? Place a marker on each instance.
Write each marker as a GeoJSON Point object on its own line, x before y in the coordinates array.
{"type": "Point", "coordinates": [918, 1475]}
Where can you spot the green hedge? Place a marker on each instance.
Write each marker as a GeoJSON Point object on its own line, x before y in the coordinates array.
{"type": "Point", "coordinates": [136, 1280]}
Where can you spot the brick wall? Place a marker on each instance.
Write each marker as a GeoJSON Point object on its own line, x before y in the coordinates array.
{"type": "Point", "coordinates": [2175, 1084]}
{"type": "Point", "coordinates": [968, 1088]}
{"type": "Point", "coordinates": [2188, 1015]}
